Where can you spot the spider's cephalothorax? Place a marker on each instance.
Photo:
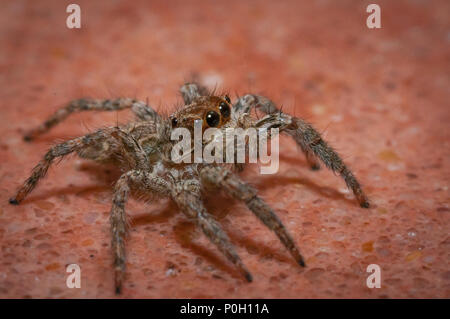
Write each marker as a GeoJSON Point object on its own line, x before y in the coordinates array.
{"type": "Point", "coordinates": [142, 150]}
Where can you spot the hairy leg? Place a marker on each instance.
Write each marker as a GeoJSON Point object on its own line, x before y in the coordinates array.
{"type": "Point", "coordinates": [313, 141]}
{"type": "Point", "coordinates": [308, 138]}
{"type": "Point", "coordinates": [131, 150]}
{"type": "Point", "coordinates": [112, 141]}
{"type": "Point", "coordinates": [247, 102]}
{"type": "Point", "coordinates": [60, 150]}
{"type": "Point", "coordinates": [233, 185]}
{"type": "Point", "coordinates": [191, 205]}
{"type": "Point", "coordinates": [132, 179]}
{"type": "Point", "coordinates": [191, 91]}
{"type": "Point", "coordinates": [141, 110]}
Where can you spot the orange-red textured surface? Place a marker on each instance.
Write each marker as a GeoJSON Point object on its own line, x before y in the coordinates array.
{"type": "Point", "coordinates": [381, 97]}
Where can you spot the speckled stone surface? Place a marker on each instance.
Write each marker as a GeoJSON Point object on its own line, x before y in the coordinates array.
{"type": "Point", "coordinates": [381, 97]}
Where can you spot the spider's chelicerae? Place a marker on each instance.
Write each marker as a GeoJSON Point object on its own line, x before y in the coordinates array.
{"type": "Point", "coordinates": [142, 149]}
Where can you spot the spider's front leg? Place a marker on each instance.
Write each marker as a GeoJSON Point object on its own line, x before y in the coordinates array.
{"type": "Point", "coordinates": [142, 181]}
{"type": "Point", "coordinates": [140, 109]}
{"type": "Point", "coordinates": [309, 139]}
{"type": "Point", "coordinates": [192, 206]}
{"type": "Point", "coordinates": [233, 185]}
{"type": "Point", "coordinates": [314, 141]}
{"type": "Point", "coordinates": [249, 101]}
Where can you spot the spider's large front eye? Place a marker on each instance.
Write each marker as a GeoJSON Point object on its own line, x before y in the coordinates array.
{"type": "Point", "coordinates": [224, 109]}
{"type": "Point", "coordinates": [174, 122]}
{"type": "Point", "coordinates": [212, 118]}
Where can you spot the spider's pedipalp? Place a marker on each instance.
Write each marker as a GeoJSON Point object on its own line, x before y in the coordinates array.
{"type": "Point", "coordinates": [141, 110]}
{"type": "Point", "coordinates": [192, 206]}
{"type": "Point", "coordinates": [233, 185]}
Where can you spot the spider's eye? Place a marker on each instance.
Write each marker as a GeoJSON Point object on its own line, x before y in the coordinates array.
{"type": "Point", "coordinates": [174, 122]}
{"type": "Point", "coordinates": [224, 109]}
{"type": "Point", "coordinates": [227, 98]}
{"type": "Point", "coordinates": [212, 118]}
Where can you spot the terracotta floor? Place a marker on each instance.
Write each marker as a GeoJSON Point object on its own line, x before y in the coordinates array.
{"type": "Point", "coordinates": [381, 97]}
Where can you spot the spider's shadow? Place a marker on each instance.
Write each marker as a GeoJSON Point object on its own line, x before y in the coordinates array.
{"type": "Point", "coordinates": [187, 229]}
{"type": "Point", "coordinates": [270, 181]}
{"type": "Point", "coordinates": [107, 176]}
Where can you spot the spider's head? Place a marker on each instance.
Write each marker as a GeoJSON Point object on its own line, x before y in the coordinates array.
{"type": "Point", "coordinates": [212, 111]}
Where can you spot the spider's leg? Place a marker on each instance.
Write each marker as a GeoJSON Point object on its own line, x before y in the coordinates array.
{"type": "Point", "coordinates": [233, 185]}
{"type": "Point", "coordinates": [191, 91]}
{"type": "Point", "coordinates": [311, 140]}
{"type": "Point", "coordinates": [131, 150]}
{"type": "Point", "coordinates": [141, 110]}
{"type": "Point", "coordinates": [310, 158]}
{"type": "Point", "coordinates": [191, 205]}
{"type": "Point", "coordinates": [139, 180]}
{"type": "Point", "coordinates": [314, 141]}
{"type": "Point", "coordinates": [105, 142]}
{"type": "Point", "coordinates": [59, 150]}
{"type": "Point", "coordinates": [267, 106]}
{"type": "Point", "coordinates": [144, 112]}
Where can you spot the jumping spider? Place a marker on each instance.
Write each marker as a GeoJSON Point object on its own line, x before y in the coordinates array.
{"type": "Point", "coordinates": [142, 150]}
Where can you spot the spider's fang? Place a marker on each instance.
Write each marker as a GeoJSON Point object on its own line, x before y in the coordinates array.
{"type": "Point", "coordinates": [13, 201]}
